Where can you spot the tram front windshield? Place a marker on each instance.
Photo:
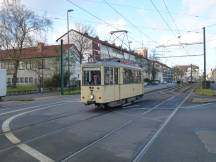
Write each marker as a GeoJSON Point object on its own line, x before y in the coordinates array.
{"type": "Point", "coordinates": [91, 77]}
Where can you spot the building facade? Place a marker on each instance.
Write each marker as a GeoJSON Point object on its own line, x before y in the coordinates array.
{"type": "Point", "coordinates": [41, 62]}
{"type": "Point", "coordinates": [212, 75]}
{"type": "Point", "coordinates": [100, 50]}
{"type": "Point", "coordinates": [36, 64]}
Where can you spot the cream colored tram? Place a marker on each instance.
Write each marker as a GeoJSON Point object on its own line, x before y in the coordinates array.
{"type": "Point", "coordinates": [108, 84]}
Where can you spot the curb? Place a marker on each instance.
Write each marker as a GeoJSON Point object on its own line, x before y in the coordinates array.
{"type": "Point", "coordinates": [202, 100]}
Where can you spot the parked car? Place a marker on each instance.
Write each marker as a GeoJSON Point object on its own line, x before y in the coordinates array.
{"type": "Point", "coordinates": [155, 82]}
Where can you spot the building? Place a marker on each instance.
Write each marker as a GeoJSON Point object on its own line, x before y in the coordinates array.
{"type": "Point", "coordinates": [99, 50]}
{"type": "Point", "coordinates": [36, 64]}
{"type": "Point", "coordinates": [43, 61]}
{"type": "Point", "coordinates": [142, 52]}
{"type": "Point", "coordinates": [186, 73]}
{"type": "Point", "coordinates": [212, 75]}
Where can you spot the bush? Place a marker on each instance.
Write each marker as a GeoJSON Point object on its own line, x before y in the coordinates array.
{"type": "Point", "coordinates": [204, 92]}
{"type": "Point", "coordinates": [72, 91]}
{"type": "Point", "coordinates": [21, 88]}
{"type": "Point", "coordinates": [55, 81]}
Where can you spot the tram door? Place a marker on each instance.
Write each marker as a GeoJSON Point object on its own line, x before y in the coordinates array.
{"type": "Point", "coordinates": [116, 84]}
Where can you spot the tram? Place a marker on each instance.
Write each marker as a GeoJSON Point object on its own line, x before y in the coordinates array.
{"type": "Point", "coordinates": [110, 84]}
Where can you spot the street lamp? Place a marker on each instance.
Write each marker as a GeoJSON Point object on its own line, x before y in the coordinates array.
{"type": "Point", "coordinates": [70, 10]}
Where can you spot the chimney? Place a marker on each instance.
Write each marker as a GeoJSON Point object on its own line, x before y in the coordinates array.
{"type": "Point", "coordinates": [40, 46]}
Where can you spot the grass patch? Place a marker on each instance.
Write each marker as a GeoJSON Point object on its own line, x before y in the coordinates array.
{"type": "Point", "coordinates": [204, 92]}
{"type": "Point", "coordinates": [22, 88]}
{"type": "Point", "coordinates": [72, 91]}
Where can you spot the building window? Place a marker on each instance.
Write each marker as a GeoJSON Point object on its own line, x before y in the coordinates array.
{"type": "Point", "coordinates": [28, 65]}
{"type": "Point", "coordinates": [30, 80]}
{"type": "Point", "coordinates": [41, 64]}
{"type": "Point", "coordinates": [108, 75]}
{"type": "Point", "coordinates": [22, 80]}
{"type": "Point", "coordinates": [3, 65]}
{"type": "Point", "coordinates": [9, 80]}
{"type": "Point", "coordinates": [21, 65]}
{"type": "Point", "coordinates": [26, 79]}
{"type": "Point", "coordinates": [10, 65]}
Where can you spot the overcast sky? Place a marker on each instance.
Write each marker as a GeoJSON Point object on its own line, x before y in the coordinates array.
{"type": "Point", "coordinates": [149, 22]}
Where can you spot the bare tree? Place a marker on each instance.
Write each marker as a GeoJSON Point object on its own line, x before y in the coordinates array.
{"type": "Point", "coordinates": [18, 28]}
{"type": "Point", "coordinates": [79, 37]}
{"type": "Point", "coordinates": [178, 73]}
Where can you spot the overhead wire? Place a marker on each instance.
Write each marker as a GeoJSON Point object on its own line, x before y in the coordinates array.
{"type": "Point", "coordinates": [180, 56]}
{"type": "Point", "coordinates": [210, 25]}
{"type": "Point", "coordinates": [101, 20]}
{"type": "Point", "coordinates": [179, 36]}
{"type": "Point", "coordinates": [108, 4]}
{"type": "Point", "coordinates": [168, 11]}
{"type": "Point", "coordinates": [98, 18]}
{"type": "Point", "coordinates": [144, 9]}
{"type": "Point", "coordinates": [164, 20]}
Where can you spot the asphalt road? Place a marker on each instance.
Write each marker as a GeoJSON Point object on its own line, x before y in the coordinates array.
{"type": "Point", "coordinates": [161, 127]}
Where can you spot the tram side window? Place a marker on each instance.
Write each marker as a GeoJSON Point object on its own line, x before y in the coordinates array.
{"type": "Point", "coordinates": [131, 76]}
{"type": "Point", "coordinates": [138, 76]}
{"type": "Point", "coordinates": [108, 75]}
{"type": "Point", "coordinates": [91, 78]}
{"type": "Point", "coordinates": [115, 75]}
{"type": "Point", "coordinates": [128, 76]}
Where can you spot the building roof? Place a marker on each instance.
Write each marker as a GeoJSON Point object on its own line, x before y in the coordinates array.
{"type": "Point", "coordinates": [36, 52]}
{"type": "Point", "coordinates": [96, 39]}
{"type": "Point", "coordinates": [185, 67]}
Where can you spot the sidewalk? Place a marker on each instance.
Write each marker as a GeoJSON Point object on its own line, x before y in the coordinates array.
{"type": "Point", "coordinates": [40, 96]}
{"type": "Point", "coordinates": [31, 97]}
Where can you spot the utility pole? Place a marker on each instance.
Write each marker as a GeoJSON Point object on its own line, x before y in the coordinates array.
{"type": "Point", "coordinates": [191, 73]}
{"type": "Point", "coordinates": [204, 50]}
{"type": "Point", "coordinates": [153, 65]}
{"type": "Point", "coordinates": [68, 39]}
{"type": "Point", "coordinates": [61, 69]}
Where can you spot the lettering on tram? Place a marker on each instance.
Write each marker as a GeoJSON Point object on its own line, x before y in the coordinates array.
{"type": "Point", "coordinates": [109, 84]}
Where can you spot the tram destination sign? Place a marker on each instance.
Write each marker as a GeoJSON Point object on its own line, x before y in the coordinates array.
{"type": "Point", "coordinates": [91, 69]}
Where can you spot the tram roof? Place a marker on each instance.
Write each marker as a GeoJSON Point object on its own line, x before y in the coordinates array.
{"type": "Point", "coordinates": [112, 64]}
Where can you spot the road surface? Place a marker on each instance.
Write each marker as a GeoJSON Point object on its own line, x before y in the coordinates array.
{"type": "Point", "coordinates": [163, 126]}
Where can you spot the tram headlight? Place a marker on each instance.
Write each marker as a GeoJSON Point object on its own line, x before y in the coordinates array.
{"type": "Point", "coordinates": [91, 96]}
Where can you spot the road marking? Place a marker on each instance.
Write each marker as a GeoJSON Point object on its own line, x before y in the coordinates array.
{"type": "Point", "coordinates": [208, 138]}
{"type": "Point", "coordinates": [32, 107]}
{"type": "Point", "coordinates": [150, 142]}
{"type": "Point", "coordinates": [113, 131]}
{"type": "Point", "coordinates": [13, 139]}
{"type": "Point", "coordinates": [156, 106]}
{"type": "Point", "coordinates": [93, 143]}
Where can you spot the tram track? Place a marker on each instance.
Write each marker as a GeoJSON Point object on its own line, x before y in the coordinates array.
{"type": "Point", "coordinates": [59, 116]}
{"type": "Point", "coordinates": [67, 158]}
{"type": "Point", "coordinates": [145, 148]}
{"type": "Point", "coordinates": [56, 131]}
